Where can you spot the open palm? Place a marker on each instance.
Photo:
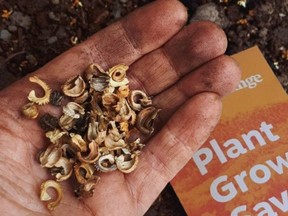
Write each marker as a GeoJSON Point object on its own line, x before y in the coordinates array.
{"type": "Point", "coordinates": [183, 68]}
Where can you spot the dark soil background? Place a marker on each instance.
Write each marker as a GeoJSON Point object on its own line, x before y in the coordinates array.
{"type": "Point", "coordinates": [32, 32]}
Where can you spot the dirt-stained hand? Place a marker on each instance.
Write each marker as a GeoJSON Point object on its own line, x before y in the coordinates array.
{"type": "Point", "coordinates": [182, 67]}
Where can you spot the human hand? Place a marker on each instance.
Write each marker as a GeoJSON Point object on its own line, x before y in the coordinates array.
{"type": "Point", "coordinates": [183, 68]}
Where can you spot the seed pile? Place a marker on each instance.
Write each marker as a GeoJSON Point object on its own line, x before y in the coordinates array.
{"type": "Point", "coordinates": [99, 129]}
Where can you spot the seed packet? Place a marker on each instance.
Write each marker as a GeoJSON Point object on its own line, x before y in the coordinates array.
{"type": "Point", "coordinates": [242, 169]}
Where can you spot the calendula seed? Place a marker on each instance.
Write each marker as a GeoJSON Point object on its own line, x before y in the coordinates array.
{"type": "Point", "coordinates": [99, 129]}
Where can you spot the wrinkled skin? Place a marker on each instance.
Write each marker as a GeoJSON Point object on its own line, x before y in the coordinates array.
{"type": "Point", "coordinates": [182, 67]}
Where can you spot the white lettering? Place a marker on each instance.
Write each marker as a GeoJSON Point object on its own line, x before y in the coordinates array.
{"type": "Point", "coordinates": [248, 139]}
{"type": "Point", "coordinates": [266, 209]}
{"type": "Point", "coordinates": [266, 128]}
{"type": "Point", "coordinates": [223, 190]}
{"type": "Point", "coordinates": [218, 151]}
{"type": "Point", "coordinates": [233, 148]}
{"type": "Point", "coordinates": [229, 189]}
{"type": "Point", "coordinates": [280, 162]}
{"type": "Point", "coordinates": [240, 181]}
{"type": "Point", "coordinates": [258, 179]}
{"type": "Point", "coordinates": [202, 162]}
{"type": "Point", "coordinates": [283, 206]}
{"type": "Point", "coordinates": [236, 148]}
{"type": "Point", "coordinates": [250, 82]}
{"type": "Point", "coordinates": [238, 210]}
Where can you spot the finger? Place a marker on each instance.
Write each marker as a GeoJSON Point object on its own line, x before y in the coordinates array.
{"type": "Point", "coordinates": [220, 76]}
{"type": "Point", "coordinates": [193, 46]}
{"type": "Point", "coordinates": [123, 42]}
{"type": "Point", "coordinates": [138, 33]}
{"type": "Point", "coordinates": [173, 146]}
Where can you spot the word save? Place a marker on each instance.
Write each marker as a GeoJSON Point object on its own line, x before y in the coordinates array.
{"type": "Point", "coordinates": [273, 204]}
